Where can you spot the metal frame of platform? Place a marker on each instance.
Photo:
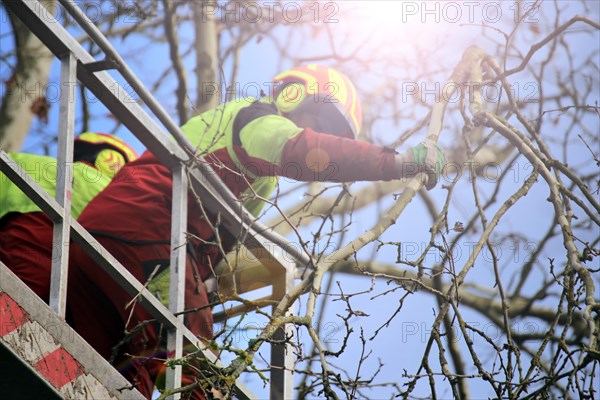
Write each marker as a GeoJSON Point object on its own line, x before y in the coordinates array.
{"type": "Point", "coordinates": [78, 65]}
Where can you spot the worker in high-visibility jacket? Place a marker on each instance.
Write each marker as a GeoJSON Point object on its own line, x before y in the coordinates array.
{"type": "Point", "coordinates": [306, 131]}
{"type": "Point", "coordinates": [25, 231]}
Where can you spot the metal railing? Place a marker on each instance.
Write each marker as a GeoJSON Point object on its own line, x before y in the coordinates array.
{"type": "Point", "coordinates": [78, 64]}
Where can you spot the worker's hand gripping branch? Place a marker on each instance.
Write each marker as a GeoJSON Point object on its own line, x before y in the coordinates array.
{"type": "Point", "coordinates": [426, 157]}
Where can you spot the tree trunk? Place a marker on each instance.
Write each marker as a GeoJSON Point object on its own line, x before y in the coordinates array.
{"type": "Point", "coordinates": [25, 90]}
{"type": "Point", "coordinates": [207, 55]}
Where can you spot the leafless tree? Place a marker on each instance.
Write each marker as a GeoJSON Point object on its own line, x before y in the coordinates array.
{"type": "Point", "coordinates": [484, 287]}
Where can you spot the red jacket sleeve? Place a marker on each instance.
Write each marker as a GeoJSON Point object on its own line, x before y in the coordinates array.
{"type": "Point", "coordinates": [314, 156]}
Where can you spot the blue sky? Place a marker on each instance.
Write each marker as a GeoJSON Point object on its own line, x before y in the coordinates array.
{"type": "Point", "coordinates": [398, 27]}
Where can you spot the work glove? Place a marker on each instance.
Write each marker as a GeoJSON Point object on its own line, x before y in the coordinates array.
{"type": "Point", "coordinates": [426, 157]}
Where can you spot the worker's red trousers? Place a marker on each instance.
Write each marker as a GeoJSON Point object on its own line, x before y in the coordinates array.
{"type": "Point", "coordinates": [26, 249]}
{"type": "Point", "coordinates": [99, 311]}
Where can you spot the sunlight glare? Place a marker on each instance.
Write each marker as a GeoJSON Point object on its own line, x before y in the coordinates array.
{"type": "Point", "coordinates": [402, 21]}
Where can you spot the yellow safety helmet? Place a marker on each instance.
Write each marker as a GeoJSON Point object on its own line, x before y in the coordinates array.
{"type": "Point", "coordinates": [323, 91]}
{"type": "Point", "coordinates": [106, 152]}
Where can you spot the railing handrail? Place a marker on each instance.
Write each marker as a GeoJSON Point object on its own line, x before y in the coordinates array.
{"type": "Point", "coordinates": [223, 191]}
{"type": "Point", "coordinates": [51, 207]}
{"type": "Point", "coordinates": [216, 196]}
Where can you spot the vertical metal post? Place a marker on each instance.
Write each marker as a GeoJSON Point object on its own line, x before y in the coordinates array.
{"type": "Point", "coordinates": [282, 356]}
{"type": "Point", "coordinates": [64, 177]}
{"type": "Point", "coordinates": [177, 271]}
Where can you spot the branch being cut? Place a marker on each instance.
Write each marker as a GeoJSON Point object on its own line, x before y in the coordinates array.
{"type": "Point", "coordinates": [312, 283]}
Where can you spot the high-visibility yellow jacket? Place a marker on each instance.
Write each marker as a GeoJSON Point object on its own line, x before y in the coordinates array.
{"type": "Point", "coordinates": [248, 145]}
{"type": "Point", "coordinates": [220, 132]}
{"type": "Point", "coordinates": [87, 183]}
{"type": "Point", "coordinates": [263, 145]}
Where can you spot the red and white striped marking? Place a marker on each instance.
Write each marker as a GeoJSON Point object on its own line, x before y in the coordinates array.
{"type": "Point", "coordinates": [35, 344]}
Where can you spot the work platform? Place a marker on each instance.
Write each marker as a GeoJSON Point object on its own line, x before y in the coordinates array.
{"type": "Point", "coordinates": [27, 321]}
{"type": "Point", "coordinates": [41, 357]}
